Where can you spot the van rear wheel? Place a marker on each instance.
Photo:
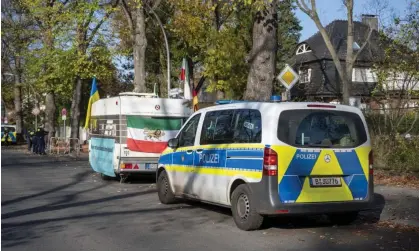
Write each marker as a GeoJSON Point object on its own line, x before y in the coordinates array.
{"type": "Point", "coordinates": [244, 210]}
{"type": "Point", "coordinates": [343, 218]}
{"type": "Point", "coordinates": [166, 196]}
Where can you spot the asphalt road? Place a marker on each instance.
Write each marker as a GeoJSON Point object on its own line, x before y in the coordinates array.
{"type": "Point", "coordinates": [60, 204]}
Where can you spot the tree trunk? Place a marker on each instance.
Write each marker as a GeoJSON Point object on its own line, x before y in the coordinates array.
{"type": "Point", "coordinates": [75, 111]}
{"type": "Point", "coordinates": [220, 94]}
{"type": "Point", "coordinates": [50, 118]}
{"type": "Point", "coordinates": [346, 87]}
{"type": "Point", "coordinates": [347, 77]}
{"type": "Point", "coordinates": [140, 44]}
{"type": "Point", "coordinates": [18, 106]}
{"type": "Point", "coordinates": [262, 57]}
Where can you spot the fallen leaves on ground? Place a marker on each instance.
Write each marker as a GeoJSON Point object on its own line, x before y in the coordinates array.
{"type": "Point", "coordinates": [399, 227]}
{"type": "Point", "coordinates": [387, 178]}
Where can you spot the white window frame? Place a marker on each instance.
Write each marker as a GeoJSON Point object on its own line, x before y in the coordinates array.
{"type": "Point", "coordinates": [303, 48]}
{"type": "Point", "coordinates": [304, 78]}
{"type": "Point", "coordinates": [364, 75]}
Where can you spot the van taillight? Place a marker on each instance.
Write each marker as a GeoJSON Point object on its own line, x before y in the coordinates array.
{"type": "Point", "coordinates": [270, 162]}
{"type": "Point", "coordinates": [371, 162]}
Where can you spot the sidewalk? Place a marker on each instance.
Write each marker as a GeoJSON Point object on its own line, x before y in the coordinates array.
{"type": "Point", "coordinates": [24, 149]}
{"type": "Point", "coordinates": [402, 205]}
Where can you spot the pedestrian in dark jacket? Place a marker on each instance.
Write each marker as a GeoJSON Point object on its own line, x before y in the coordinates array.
{"type": "Point", "coordinates": [40, 135]}
{"type": "Point", "coordinates": [35, 142]}
{"type": "Point", "coordinates": [29, 135]}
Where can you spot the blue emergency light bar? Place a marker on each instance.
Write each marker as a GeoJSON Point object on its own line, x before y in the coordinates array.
{"type": "Point", "coordinates": [226, 101]}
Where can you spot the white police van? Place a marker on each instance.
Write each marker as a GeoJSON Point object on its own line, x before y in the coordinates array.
{"type": "Point", "coordinates": [266, 159]}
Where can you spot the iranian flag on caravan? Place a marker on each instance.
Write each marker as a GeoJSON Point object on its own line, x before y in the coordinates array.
{"type": "Point", "coordinates": [150, 135]}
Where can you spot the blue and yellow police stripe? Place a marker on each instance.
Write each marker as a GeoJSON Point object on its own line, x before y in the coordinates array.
{"type": "Point", "coordinates": [12, 137]}
{"type": "Point", "coordinates": [296, 166]}
{"type": "Point", "coordinates": [244, 160]}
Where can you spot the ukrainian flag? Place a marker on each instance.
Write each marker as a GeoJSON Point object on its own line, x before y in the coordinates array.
{"type": "Point", "coordinates": [94, 96]}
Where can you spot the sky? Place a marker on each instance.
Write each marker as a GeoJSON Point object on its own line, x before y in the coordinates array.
{"type": "Point", "coordinates": [330, 10]}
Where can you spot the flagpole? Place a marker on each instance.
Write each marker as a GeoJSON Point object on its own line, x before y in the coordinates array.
{"type": "Point", "coordinates": [167, 52]}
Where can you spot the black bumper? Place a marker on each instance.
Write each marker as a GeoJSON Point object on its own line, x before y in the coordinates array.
{"type": "Point", "coordinates": [266, 197]}
{"type": "Point", "coordinates": [317, 208]}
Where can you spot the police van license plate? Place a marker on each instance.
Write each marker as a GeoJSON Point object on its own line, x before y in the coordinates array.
{"type": "Point", "coordinates": [150, 166]}
{"type": "Point", "coordinates": [326, 182]}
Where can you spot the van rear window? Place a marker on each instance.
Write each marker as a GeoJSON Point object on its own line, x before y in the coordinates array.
{"type": "Point", "coordinates": [321, 128]}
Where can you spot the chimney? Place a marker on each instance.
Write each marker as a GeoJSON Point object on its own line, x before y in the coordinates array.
{"type": "Point", "coordinates": [371, 21]}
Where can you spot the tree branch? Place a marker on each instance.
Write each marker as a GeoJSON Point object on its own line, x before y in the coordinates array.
{"type": "Point", "coordinates": [128, 15]}
{"type": "Point", "coordinates": [155, 5]}
{"type": "Point", "coordinates": [89, 19]}
{"type": "Point", "coordinates": [98, 25]}
{"type": "Point", "coordinates": [362, 46]}
{"type": "Point", "coordinates": [304, 8]}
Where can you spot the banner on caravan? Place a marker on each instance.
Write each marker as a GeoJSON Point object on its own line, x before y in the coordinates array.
{"type": "Point", "coordinates": [101, 155]}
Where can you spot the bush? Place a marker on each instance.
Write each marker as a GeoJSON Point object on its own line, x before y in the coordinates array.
{"type": "Point", "coordinates": [396, 153]}
{"type": "Point", "coordinates": [381, 124]}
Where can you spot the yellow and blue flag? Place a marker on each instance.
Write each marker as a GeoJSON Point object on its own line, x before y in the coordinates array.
{"type": "Point", "coordinates": [94, 96]}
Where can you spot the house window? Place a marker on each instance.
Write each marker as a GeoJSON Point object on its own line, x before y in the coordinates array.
{"type": "Point", "coordinates": [355, 46]}
{"type": "Point", "coordinates": [305, 75]}
{"type": "Point", "coordinates": [303, 48]}
{"type": "Point", "coordinates": [363, 75]}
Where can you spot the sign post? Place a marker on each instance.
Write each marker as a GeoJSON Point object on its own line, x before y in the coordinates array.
{"type": "Point", "coordinates": [288, 78]}
{"type": "Point", "coordinates": [64, 118]}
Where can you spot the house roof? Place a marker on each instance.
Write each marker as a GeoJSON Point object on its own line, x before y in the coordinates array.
{"type": "Point", "coordinates": [337, 31]}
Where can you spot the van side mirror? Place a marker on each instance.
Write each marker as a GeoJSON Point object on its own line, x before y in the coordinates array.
{"type": "Point", "coordinates": [173, 143]}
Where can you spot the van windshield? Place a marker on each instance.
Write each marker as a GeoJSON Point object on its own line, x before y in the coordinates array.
{"type": "Point", "coordinates": [321, 128]}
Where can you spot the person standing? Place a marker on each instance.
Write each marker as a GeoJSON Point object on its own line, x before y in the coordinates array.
{"type": "Point", "coordinates": [35, 143]}
{"type": "Point", "coordinates": [40, 135]}
{"type": "Point", "coordinates": [29, 134]}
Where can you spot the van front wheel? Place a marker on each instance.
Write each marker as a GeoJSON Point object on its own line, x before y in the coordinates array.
{"type": "Point", "coordinates": [244, 210]}
{"type": "Point", "coordinates": [164, 191]}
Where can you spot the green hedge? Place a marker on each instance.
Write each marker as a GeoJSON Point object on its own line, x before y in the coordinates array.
{"type": "Point", "coordinates": [396, 153]}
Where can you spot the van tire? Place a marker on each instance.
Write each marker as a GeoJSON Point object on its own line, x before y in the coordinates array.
{"type": "Point", "coordinates": [244, 209]}
{"type": "Point", "coordinates": [165, 193]}
{"type": "Point", "coordinates": [345, 218]}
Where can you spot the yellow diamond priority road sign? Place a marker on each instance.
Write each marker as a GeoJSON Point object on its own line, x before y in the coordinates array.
{"type": "Point", "coordinates": [288, 77]}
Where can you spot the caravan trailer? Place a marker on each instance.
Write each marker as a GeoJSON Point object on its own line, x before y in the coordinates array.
{"type": "Point", "coordinates": [128, 132]}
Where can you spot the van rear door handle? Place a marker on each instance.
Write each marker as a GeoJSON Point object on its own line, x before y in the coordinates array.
{"type": "Point", "coordinates": [199, 150]}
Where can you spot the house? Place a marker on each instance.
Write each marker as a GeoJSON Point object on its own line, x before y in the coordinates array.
{"type": "Point", "coordinates": [319, 78]}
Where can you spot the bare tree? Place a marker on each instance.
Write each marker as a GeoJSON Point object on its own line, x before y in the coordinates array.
{"type": "Point", "coordinates": [344, 68]}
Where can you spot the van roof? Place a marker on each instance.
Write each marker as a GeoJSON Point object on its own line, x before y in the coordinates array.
{"type": "Point", "coordinates": [282, 105]}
